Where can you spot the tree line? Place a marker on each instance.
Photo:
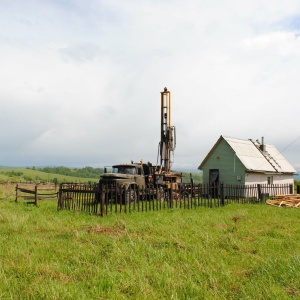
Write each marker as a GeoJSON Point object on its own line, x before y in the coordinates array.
{"type": "Point", "coordinates": [86, 172]}
{"type": "Point", "coordinates": [90, 172]}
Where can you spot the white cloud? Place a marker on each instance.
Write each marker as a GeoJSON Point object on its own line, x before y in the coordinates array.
{"type": "Point", "coordinates": [81, 82]}
{"type": "Point", "coordinates": [282, 43]}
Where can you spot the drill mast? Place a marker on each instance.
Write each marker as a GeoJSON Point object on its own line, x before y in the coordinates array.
{"type": "Point", "coordinates": [168, 133]}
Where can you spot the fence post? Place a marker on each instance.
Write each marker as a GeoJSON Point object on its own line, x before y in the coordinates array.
{"type": "Point", "coordinates": [259, 192]}
{"type": "Point", "coordinates": [17, 192]}
{"type": "Point", "coordinates": [36, 195]}
{"type": "Point", "coordinates": [291, 189]}
{"type": "Point", "coordinates": [60, 198]}
{"type": "Point", "coordinates": [102, 201]}
{"type": "Point", "coordinates": [222, 194]}
{"type": "Point", "coordinates": [171, 197]}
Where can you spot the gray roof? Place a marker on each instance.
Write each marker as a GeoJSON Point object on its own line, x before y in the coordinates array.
{"type": "Point", "coordinates": [249, 153]}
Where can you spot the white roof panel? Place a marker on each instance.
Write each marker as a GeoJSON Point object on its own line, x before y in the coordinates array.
{"type": "Point", "coordinates": [278, 160]}
{"type": "Point", "coordinates": [253, 159]}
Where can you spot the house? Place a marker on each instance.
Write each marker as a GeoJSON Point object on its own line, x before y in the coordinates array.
{"type": "Point", "coordinates": [235, 161]}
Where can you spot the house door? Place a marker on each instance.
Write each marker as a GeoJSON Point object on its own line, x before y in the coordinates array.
{"type": "Point", "coordinates": [214, 182]}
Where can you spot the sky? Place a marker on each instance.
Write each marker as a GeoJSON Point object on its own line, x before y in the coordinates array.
{"type": "Point", "coordinates": [80, 80]}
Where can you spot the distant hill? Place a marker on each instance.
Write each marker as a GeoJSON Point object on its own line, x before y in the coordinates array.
{"type": "Point", "coordinates": [34, 175]}
{"type": "Point", "coordinates": [85, 172]}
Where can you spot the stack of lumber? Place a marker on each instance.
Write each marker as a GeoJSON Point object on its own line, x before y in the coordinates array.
{"type": "Point", "coordinates": [290, 200]}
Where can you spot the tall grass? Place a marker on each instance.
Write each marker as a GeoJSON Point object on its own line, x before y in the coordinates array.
{"type": "Point", "coordinates": [234, 252]}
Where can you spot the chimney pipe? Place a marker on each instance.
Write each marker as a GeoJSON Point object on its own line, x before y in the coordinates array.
{"type": "Point", "coordinates": [262, 146]}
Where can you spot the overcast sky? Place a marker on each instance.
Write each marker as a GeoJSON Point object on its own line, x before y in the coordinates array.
{"type": "Point", "coordinates": [80, 80]}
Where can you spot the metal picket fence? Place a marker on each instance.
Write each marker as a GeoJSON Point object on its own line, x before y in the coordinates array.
{"type": "Point", "coordinates": [108, 199]}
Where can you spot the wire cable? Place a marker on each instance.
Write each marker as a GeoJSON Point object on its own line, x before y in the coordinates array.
{"type": "Point", "coordinates": [290, 144]}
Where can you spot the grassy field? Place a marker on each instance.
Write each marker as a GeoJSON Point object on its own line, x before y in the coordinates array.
{"type": "Point", "coordinates": [234, 252]}
{"type": "Point", "coordinates": [30, 175]}
{"type": "Point", "coordinates": [27, 175]}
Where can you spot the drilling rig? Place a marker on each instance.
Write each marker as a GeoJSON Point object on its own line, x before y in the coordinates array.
{"type": "Point", "coordinates": [163, 174]}
{"type": "Point", "coordinates": [126, 179]}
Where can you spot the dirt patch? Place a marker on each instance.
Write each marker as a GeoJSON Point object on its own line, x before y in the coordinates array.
{"type": "Point", "coordinates": [236, 219]}
{"type": "Point", "coordinates": [114, 230]}
{"type": "Point", "coordinates": [292, 291]}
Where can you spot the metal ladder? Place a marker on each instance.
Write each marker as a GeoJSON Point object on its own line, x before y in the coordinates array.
{"type": "Point", "coordinates": [267, 155]}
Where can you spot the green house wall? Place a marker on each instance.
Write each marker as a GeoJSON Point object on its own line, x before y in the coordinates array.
{"type": "Point", "coordinates": [224, 159]}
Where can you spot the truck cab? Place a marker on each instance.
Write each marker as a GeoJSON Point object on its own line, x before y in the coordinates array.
{"type": "Point", "coordinates": [124, 180]}
{"type": "Point", "coordinates": [125, 175]}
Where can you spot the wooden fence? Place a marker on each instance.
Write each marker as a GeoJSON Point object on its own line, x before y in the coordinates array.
{"type": "Point", "coordinates": [36, 192]}
{"type": "Point", "coordinates": [109, 199]}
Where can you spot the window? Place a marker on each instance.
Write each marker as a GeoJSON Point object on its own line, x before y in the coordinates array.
{"type": "Point", "coordinates": [270, 179]}
{"type": "Point", "coordinates": [124, 170]}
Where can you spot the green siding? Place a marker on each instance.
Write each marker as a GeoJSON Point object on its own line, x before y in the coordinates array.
{"type": "Point", "coordinates": [224, 159]}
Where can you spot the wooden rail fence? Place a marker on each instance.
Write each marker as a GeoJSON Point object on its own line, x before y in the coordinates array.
{"type": "Point", "coordinates": [36, 192]}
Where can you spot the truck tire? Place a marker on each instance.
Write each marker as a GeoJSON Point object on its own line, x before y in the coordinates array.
{"type": "Point", "coordinates": [130, 196]}
{"type": "Point", "coordinates": [160, 195]}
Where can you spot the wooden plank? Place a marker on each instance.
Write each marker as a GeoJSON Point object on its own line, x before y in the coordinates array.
{"type": "Point", "coordinates": [284, 202]}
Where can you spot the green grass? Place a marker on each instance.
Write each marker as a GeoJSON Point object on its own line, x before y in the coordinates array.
{"type": "Point", "coordinates": [234, 252]}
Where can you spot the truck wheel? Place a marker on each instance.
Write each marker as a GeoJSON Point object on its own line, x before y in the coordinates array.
{"type": "Point", "coordinates": [130, 196]}
{"type": "Point", "coordinates": [160, 195]}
